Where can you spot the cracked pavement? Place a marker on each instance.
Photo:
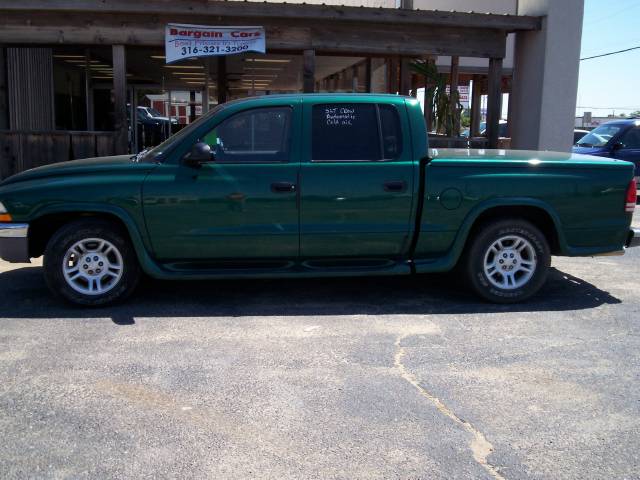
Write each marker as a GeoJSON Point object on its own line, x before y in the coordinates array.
{"type": "Point", "coordinates": [337, 378]}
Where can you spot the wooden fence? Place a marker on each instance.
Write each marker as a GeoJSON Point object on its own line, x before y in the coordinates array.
{"type": "Point", "coordinates": [21, 150]}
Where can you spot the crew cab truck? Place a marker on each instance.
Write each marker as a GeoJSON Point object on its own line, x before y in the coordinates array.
{"type": "Point", "coordinates": [309, 186]}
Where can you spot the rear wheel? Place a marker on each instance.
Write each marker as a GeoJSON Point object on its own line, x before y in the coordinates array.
{"type": "Point", "coordinates": [508, 261]}
{"type": "Point", "coordinates": [91, 263]}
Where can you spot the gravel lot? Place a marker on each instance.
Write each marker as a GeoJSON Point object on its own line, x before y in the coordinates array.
{"type": "Point", "coordinates": [363, 378]}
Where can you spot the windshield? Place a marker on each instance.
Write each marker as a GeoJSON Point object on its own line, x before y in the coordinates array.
{"type": "Point", "coordinates": [154, 112]}
{"type": "Point", "coordinates": [154, 154]}
{"type": "Point", "coordinates": [599, 137]}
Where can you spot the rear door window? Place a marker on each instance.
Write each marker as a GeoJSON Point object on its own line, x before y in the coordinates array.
{"type": "Point", "coordinates": [355, 132]}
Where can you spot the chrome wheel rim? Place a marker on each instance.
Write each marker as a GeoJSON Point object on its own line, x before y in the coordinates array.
{"type": "Point", "coordinates": [510, 262]}
{"type": "Point", "coordinates": [92, 266]}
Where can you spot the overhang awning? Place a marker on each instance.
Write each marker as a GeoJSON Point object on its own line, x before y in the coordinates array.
{"type": "Point", "coordinates": [324, 28]}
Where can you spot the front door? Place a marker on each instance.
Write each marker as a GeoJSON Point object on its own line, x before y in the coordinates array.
{"type": "Point", "coordinates": [240, 206]}
{"type": "Point", "coordinates": [356, 181]}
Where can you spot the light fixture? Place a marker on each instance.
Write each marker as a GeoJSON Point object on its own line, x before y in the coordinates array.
{"type": "Point", "coordinates": [277, 69]}
{"type": "Point", "coordinates": [82, 62]}
{"type": "Point", "coordinates": [194, 74]}
{"type": "Point", "coordinates": [158, 57]}
{"type": "Point", "coordinates": [198, 67]}
{"type": "Point", "coordinates": [68, 56]}
{"type": "Point", "coordinates": [267, 60]}
{"type": "Point", "coordinates": [188, 79]}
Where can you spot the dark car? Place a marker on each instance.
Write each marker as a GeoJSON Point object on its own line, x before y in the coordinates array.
{"type": "Point", "coordinates": [618, 139]}
{"type": "Point", "coordinates": [153, 128]}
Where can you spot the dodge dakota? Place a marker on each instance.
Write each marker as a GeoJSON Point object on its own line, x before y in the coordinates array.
{"type": "Point", "coordinates": [313, 185]}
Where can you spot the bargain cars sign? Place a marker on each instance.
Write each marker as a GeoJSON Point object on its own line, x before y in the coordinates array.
{"type": "Point", "coordinates": [187, 41]}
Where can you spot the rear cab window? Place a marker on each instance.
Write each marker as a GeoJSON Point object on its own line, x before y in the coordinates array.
{"type": "Point", "coordinates": [348, 132]}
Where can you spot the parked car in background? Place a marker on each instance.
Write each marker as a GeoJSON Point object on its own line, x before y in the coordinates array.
{"type": "Point", "coordinates": [578, 134]}
{"type": "Point", "coordinates": [618, 139]}
{"type": "Point", "coordinates": [153, 127]}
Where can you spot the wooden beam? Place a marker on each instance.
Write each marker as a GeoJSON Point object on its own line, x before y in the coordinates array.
{"type": "Point", "coordinates": [290, 12]}
{"type": "Point", "coordinates": [338, 38]}
{"type": "Point", "coordinates": [494, 101]}
{"type": "Point", "coordinates": [453, 87]}
{"type": "Point", "coordinates": [120, 99]}
{"type": "Point", "coordinates": [308, 71]}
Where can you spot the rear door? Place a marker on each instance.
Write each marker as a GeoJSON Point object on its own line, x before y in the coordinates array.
{"type": "Point", "coordinates": [356, 180]}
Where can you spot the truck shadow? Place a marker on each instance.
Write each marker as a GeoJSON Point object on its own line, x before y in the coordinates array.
{"type": "Point", "coordinates": [23, 294]}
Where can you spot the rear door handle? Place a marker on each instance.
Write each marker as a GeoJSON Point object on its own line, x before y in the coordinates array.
{"type": "Point", "coordinates": [397, 186]}
{"type": "Point", "coordinates": [283, 187]}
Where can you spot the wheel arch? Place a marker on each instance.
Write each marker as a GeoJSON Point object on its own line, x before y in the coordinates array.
{"type": "Point", "coordinates": [535, 211]}
{"type": "Point", "coordinates": [46, 223]}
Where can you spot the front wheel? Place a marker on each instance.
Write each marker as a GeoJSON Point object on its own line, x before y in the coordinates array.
{"type": "Point", "coordinates": [508, 261]}
{"type": "Point", "coordinates": [91, 263]}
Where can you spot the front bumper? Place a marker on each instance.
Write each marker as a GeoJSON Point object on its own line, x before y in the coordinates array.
{"type": "Point", "coordinates": [633, 240]}
{"type": "Point", "coordinates": [14, 243]}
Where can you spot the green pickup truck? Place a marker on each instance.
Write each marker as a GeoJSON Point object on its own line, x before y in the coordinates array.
{"type": "Point", "coordinates": [308, 186]}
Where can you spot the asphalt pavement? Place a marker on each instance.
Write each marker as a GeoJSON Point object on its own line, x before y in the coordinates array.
{"type": "Point", "coordinates": [373, 378]}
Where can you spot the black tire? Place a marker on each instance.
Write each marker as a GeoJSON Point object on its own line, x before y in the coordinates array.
{"type": "Point", "coordinates": [73, 232]}
{"type": "Point", "coordinates": [473, 262]}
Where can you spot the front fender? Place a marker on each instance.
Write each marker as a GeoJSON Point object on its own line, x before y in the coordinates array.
{"type": "Point", "coordinates": [139, 239]}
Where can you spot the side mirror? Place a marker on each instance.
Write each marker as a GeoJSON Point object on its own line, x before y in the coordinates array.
{"type": "Point", "coordinates": [200, 153]}
{"type": "Point", "coordinates": [617, 146]}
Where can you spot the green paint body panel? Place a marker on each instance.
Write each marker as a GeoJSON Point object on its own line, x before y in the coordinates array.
{"type": "Point", "coordinates": [224, 219]}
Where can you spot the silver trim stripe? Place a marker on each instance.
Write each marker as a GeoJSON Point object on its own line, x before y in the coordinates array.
{"type": "Point", "coordinates": [14, 230]}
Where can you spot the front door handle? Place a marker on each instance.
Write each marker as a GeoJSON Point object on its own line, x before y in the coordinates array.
{"type": "Point", "coordinates": [283, 187]}
{"type": "Point", "coordinates": [397, 186]}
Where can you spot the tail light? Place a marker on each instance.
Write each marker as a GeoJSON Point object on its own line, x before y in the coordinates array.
{"type": "Point", "coordinates": [632, 192]}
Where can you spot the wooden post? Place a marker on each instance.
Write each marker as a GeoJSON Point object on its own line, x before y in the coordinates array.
{"type": "Point", "coordinates": [476, 100]}
{"type": "Point", "coordinates": [367, 75]}
{"type": "Point", "coordinates": [308, 71]}
{"type": "Point", "coordinates": [192, 106]}
{"type": "Point", "coordinates": [428, 105]}
{"type": "Point", "coordinates": [4, 99]}
{"type": "Point", "coordinates": [493, 102]}
{"type": "Point", "coordinates": [405, 76]}
{"type": "Point", "coordinates": [120, 99]}
{"type": "Point", "coordinates": [205, 91]}
{"type": "Point", "coordinates": [393, 85]}
{"type": "Point", "coordinates": [88, 91]}
{"type": "Point", "coordinates": [453, 90]}
{"type": "Point", "coordinates": [222, 80]}
{"type": "Point", "coordinates": [354, 79]}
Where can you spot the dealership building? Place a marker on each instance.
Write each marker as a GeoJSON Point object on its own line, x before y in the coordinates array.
{"type": "Point", "coordinates": [78, 77]}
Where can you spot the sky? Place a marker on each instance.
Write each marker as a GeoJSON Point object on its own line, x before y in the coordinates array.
{"type": "Point", "coordinates": [610, 83]}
